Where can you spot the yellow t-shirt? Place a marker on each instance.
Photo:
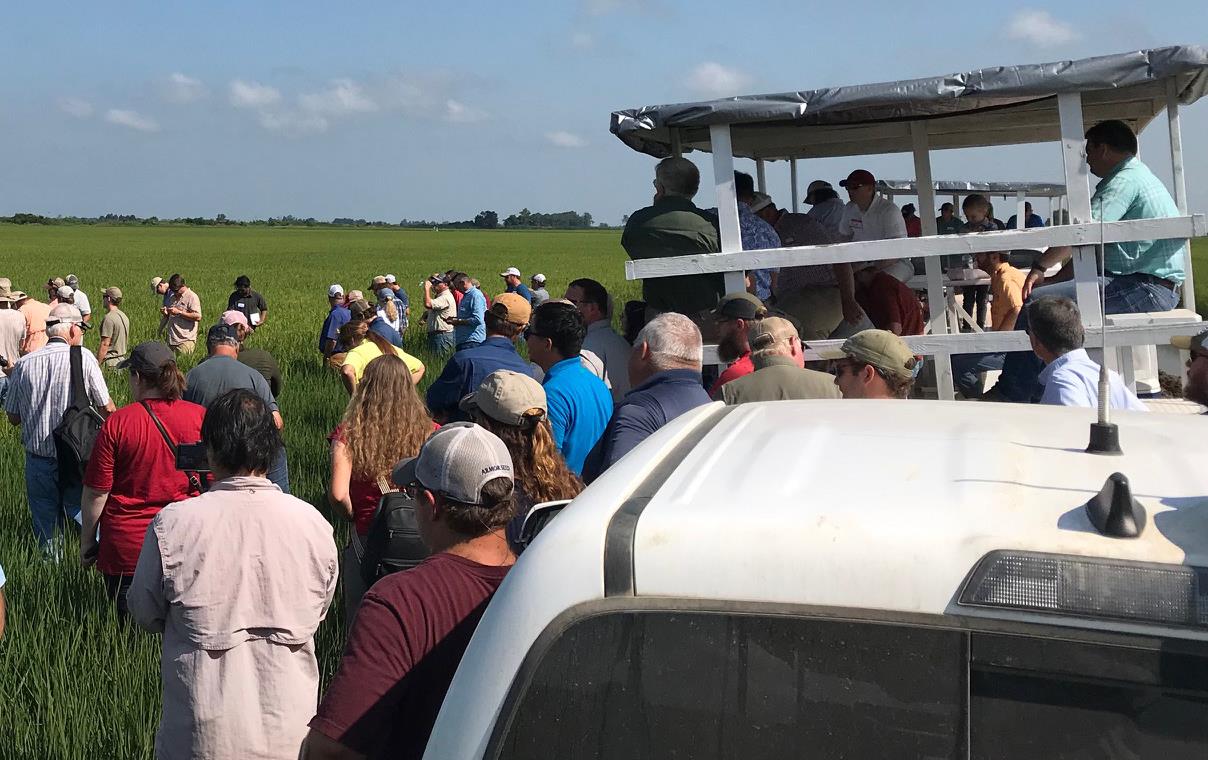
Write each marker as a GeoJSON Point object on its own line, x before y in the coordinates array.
{"type": "Point", "coordinates": [360, 357]}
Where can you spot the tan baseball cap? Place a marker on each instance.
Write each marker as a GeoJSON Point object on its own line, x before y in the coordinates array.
{"type": "Point", "coordinates": [512, 307]}
{"type": "Point", "coordinates": [880, 348]}
{"type": "Point", "coordinates": [114, 293]}
{"type": "Point", "coordinates": [770, 331]}
{"type": "Point", "coordinates": [506, 397]}
{"type": "Point", "coordinates": [1192, 343]}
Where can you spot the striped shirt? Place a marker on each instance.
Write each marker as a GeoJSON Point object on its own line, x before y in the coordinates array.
{"type": "Point", "coordinates": [39, 391]}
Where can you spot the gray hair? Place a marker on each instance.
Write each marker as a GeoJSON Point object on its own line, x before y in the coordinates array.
{"type": "Point", "coordinates": [678, 176]}
{"type": "Point", "coordinates": [674, 342]}
{"type": "Point", "coordinates": [58, 330]}
{"type": "Point", "coordinates": [1056, 324]}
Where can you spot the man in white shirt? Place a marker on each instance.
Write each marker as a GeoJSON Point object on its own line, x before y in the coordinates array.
{"type": "Point", "coordinates": [79, 297]}
{"type": "Point", "coordinates": [871, 217]}
{"type": "Point", "coordinates": [827, 207]}
{"type": "Point", "coordinates": [592, 301]}
{"type": "Point", "coordinates": [1070, 378]}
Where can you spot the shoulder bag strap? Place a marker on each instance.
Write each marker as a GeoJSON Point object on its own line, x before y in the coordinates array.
{"type": "Point", "coordinates": [194, 481]}
{"type": "Point", "coordinates": [79, 394]}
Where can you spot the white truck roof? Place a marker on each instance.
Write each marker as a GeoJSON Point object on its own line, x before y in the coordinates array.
{"type": "Point", "coordinates": [871, 505]}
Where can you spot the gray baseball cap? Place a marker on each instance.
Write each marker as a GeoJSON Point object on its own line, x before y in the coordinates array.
{"type": "Point", "coordinates": [456, 461]}
{"type": "Point", "coordinates": [65, 313]}
{"type": "Point", "coordinates": [506, 396]}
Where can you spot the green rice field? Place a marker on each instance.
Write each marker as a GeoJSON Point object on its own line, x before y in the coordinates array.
{"type": "Point", "coordinates": [74, 683]}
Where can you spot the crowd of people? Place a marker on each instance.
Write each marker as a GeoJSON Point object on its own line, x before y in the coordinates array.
{"type": "Point", "coordinates": [237, 574]}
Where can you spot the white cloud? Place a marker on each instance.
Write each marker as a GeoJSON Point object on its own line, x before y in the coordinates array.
{"type": "Point", "coordinates": [293, 122]}
{"type": "Point", "coordinates": [716, 81]}
{"type": "Point", "coordinates": [180, 88]}
{"type": "Point", "coordinates": [253, 94]}
{"type": "Point", "coordinates": [1038, 28]}
{"type": "Point", "coordinates": [343, 97]}
{"type": "Point", "coordinates": [565, 140]}
{"type": "Point", "coordinates": [460, 113]}
{"type": "Point", "coordinates": [131, 119]}
{"type": "Point", "coordinates": [81, 109]}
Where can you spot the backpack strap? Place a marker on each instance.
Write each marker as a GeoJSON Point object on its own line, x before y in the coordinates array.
{"type": "Point", "coordinates": [79, 394]}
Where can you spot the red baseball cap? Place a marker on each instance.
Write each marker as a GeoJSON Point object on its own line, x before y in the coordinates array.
{"type": "Point", "coordinates": [858, 178]}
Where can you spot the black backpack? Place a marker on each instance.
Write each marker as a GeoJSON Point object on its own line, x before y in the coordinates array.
{"type": "Point", "coordinates": [76, 434]}
{"type": "Point", "coordinates": [393, 542]}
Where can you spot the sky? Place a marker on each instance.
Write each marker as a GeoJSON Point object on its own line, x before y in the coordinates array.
{"type": "Point", "coordinates": [391, 110]}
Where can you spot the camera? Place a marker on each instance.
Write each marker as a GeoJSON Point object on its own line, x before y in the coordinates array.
{"type": "Point", "coordinates": [192, 457]}
{"type": "Point", "coordinates": [3, 361]}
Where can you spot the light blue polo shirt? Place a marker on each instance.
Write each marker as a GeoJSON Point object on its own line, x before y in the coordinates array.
{"type": "Point", "coordinates": [473, 306]}
{"type": "Point", "coordinates": [580, 406]}
{"type": "Point", "coordinates": [1131, 191]}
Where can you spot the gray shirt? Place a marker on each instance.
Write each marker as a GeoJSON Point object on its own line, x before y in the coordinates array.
{"type": "Point", "coordinates": [219, 374]}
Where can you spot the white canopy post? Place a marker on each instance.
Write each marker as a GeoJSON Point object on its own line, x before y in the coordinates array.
{"type": "Point", "coordinates": [956, 205]}
{"type": "Point", "coordinates": [1020, 220]}
{"type": "Point", "coordinates": [727, 201]}
{"type": "Point", "coordinates": [1078, 190]}
{"type": "Point", "coordinates": [793, 180]}
{"type": "Point", "coordinates": [937, 304]}
{"type": "Point", "coordinates": [1179, 180]}
{"type": "Point", "coordinates": [761, 177]}
{"type": "Point", "coordinates": [677, 145]}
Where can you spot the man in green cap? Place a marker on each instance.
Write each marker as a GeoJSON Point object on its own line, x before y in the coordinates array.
{"type": "Point", "coordinates": [733, 317]}
{"type": "Point", "coordinates": [874, 364]}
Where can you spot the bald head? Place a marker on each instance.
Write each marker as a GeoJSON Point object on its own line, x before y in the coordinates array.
{"type": "Point", "coordinates": [677, 177]}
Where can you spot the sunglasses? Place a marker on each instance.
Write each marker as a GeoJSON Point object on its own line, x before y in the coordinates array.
{"type": "Point", "coordinates": [531, 333]}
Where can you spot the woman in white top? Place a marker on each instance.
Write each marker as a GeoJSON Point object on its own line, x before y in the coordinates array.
{"type": "Point", "coordinates": [387, 308]}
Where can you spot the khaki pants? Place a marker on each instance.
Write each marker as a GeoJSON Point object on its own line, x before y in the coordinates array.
{"type": "Point", "coordinates": [184, 348]}
{"type": "Point", "coordinates": [820, 313]}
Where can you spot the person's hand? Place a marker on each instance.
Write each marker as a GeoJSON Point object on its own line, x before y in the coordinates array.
{"type": "Point", "coordinates": [1034, 279]}
{"type": "Point", "coordinates": [852, 313]}
{"type": "Point", "coordinates": [88, 551]}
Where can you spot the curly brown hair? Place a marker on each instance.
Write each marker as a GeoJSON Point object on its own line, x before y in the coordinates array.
{"type": "Point", "coordinates": [385, 420]}
{"type": "Point", "coordinates": [539, 469]}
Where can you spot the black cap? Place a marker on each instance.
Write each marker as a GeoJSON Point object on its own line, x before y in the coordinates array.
{"type": "Point", "coordinates": [740, 305]}
{"type": "Point", "coordinates": [148, 358]}
{"type": "Point", "coordinates": [221, 333]}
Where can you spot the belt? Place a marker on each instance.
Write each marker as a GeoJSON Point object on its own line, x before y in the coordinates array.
{"type": "Point", "coordinates": [1146, 277]}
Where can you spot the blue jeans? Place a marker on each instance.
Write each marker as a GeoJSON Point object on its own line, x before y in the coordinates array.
{"type": "Point", "coordinates": [279, 472]}
{"type": "Point", "coordinates": [1124, 294]}
{"type": "Point", "coordinates": [441, 343]}
{"type": "Point", "coordinates": [49, 502]}
{"type": "Point", "coordinates": [967, 367]}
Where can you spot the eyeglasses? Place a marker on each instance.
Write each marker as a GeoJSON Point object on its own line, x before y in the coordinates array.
{"type": "Point", "coordinates": [531, 333]}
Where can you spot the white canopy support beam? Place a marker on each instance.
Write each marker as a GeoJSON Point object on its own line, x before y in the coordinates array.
{"type": "Point", "coordinates": [1179, 179]}
{"type": "Point", "coordinates": [727, 203]}
{"type": "Point", "coordinates": [1088, 234]}
{"type": "Point", "coordinates": [761, 177]}
{"type": "Point", "coordinates": [937, 304]}
{"type": "Point", "coordinates": [677, 144]}
{"type": "Point", "coordinates": [1078, 190]}
{"type": "Point", "coordinates": [793, 180]}
{"type": "Point", "coordinates": [1021, 221]}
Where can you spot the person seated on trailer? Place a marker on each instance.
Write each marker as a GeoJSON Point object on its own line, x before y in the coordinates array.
{"type": "Point", "coordinates": [874, 364]}
{"type": "Point", "coordinates": [821, 297]}
{"type": "Point", "coordinates": [977, 219]}
{"type": "Point", "coordinates": [1140, 276]}
{"type": "Point", "coordinates": [757, 235]}
{"type": "Point", "coordinates": [780, 373]}
{"type": "Point", "coordinates": [914, 225]}
{"type": "Point", "coordinates": [826, 206]}
{"type": "Point", "coordinates": [673, 226]}
{"type": "Point", "coordinates": [1197, 366]}
{"type": "Point", "coordinates": [1069, 376]}
{"type": "Point", "coordinates": [872, 217]}
{"type": "Point", "coordinates": [734, 317]}
{"type": "Point", "coordinates": [948, 223]}
{"type": "Point", "coordinates": [1030, 219]}
{"type": "Point", "coordinates": [888, 302]}
{"type": "Point", "coordinates": [998, 223]}
{"type": "Point", "coordinates": [1006, 289]}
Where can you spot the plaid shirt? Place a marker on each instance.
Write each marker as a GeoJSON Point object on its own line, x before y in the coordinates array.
{"type": "Point", "coordinates": [757, 235]}
{"type": "Point", "coordinates": [1131, 191]}
{"type": "Point", "coordinates": [39, 391]}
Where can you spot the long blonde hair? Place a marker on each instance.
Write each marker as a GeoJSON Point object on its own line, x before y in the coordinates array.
{"type": "Point", "coordinates": [540, 471]}
{"type": "Point", "coordinates": [385, 420]}
{"type": "Point", "coordinates": [390, 306]}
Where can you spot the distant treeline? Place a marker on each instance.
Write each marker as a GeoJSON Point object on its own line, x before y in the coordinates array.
{"type": "Point", "coordinates": [486, 220]}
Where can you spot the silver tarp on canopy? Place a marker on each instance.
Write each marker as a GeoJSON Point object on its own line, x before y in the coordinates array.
{"type": "Point", "coordinates": [950, 186]}
{"type": "Point", "coordinates": [995, 106]}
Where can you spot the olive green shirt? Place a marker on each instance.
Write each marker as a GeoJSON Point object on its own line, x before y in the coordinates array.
{"type": "Point", "coordinates": [674, 226]}
{"type": "Point", "coordinates": [115, 326]}
{"type": "Point", "coordinates": [778, 378]}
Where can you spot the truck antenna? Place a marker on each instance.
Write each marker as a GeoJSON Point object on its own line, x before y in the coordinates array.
{"type": "Point", "coordinates": [1105, 435]}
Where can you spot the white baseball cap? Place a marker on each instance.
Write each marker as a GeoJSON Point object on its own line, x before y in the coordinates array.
{"type": "Point", "coordinates": [539, 278]}
{"type": "Point", "coordinates": [391, 279]}
{"type": "Point", "coordinates": [510, 271]}
{"type": "Point", "coordinates": [456, 461]}
{"type": "Point", "coordinates": [335, 291]}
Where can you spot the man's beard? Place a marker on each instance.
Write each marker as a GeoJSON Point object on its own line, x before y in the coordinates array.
{"type": "Point", "coordinates": [730, 347]}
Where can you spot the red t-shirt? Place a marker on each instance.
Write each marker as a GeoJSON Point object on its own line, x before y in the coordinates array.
{"type": "Point", "coordinates": [914, 227]}
{"type": "Point", "coordinates": [364, 494]}
{"type": "Point", "coordinates": [887, 300]}
{"type": "Point", "coordinates": [743, 366]}
{"type": "Point", "coordinates": [411, 631]}
{"type": "Point", "coordinates": [132, 462]}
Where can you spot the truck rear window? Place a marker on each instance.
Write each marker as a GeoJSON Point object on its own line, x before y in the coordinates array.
{"type": "Point", "coordinates": [703, 685]}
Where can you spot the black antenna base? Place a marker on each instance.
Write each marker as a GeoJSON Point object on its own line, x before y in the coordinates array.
{"type": "Point", "coordinates": [1114, 512]}
{"type": "Point", "coordinates": [1105, 439]}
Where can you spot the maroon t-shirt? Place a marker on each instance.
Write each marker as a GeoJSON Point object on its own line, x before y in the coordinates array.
{"type": "Point", "coordinates": [411, 631]}
{"type": "Point", "coordinates": [887, 300]}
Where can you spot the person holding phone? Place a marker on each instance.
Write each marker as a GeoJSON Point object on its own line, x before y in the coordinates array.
{"type": "Point", "coordinates": [132, 474]}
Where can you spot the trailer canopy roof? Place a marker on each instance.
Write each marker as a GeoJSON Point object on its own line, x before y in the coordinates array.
{"type": "Point", "coordinates": [950, 186]}
{"type": "Point", "coordinates": [995, 106]}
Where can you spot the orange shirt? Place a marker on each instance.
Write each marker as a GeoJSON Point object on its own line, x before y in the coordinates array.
{"type": "Point", "coordinates": [35, 324]}
{"type": "Point", "coordinates": [1006, 292]}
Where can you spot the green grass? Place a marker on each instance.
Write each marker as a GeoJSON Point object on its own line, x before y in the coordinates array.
{"type": "Point", "coordinates": [1199, 257]}
{"type": "Point", "coordinates": [73, 683]}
